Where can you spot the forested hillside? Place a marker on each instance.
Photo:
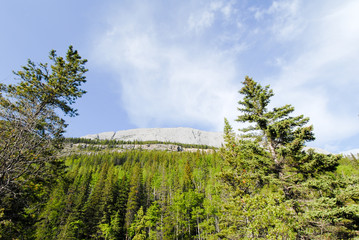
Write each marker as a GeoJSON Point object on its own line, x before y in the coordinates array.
{"type": "Point", "coordinates": [157, 194]}
{"type": "Point", "coordinates": [181, 195]}
{"type": "Point", "coordinates": [261, 184]}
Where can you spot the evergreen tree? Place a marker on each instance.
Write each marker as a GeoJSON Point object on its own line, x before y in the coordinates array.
{"type": "Point", "coordinates": [118, 220]}
{"type": "Point", "coordinates": [135, 196]}
{"type": "Point", "coordinates": [188, 177]}
{"type": "Point", "coordinates": [31, 134]}
{"type": "Point", "coordinates": [31, 130]}
{"type": "Point", "coordinates": [138, 226]}
{"type": "Point", "coordinates": [249, 209]}
{"type": "Point", "coordinates": [237, 197]}
{"type": "Point", "coordinates": [269, 158]}
{"type": "Point", "coordinates": [94, 207]}
{"type": "Point", "coordinates": [152, 219]}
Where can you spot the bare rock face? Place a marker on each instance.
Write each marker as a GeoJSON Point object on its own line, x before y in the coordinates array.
{"type": "Point", "coordinates": [317, 150]}
{"type": "Point", "coordinates": [174, 135]}
{"type": "Point", "coordinates": [354, 152]}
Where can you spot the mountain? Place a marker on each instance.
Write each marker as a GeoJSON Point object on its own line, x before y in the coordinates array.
{"type": "Point", "coordinates": [350, 152]}
{"type": "Point", "coordinates": [317, 150]}
{"type": "Point", "coordinates": [174, 135]}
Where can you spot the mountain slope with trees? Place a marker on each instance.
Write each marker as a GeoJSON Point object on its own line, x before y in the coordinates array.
{"type": "Point", "coordinates": [260, 185]}
{"type": "Point", "coordinates": [182, 195]}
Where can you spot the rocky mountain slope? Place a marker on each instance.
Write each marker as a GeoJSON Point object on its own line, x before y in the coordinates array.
{"type": "Point", "coordinates": [173, 135]}
{"type": "Point", "coordinates": [351, 152]}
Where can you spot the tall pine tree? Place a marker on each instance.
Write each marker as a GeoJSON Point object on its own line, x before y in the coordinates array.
{"type": "Point", "coordinates": [268, 164]}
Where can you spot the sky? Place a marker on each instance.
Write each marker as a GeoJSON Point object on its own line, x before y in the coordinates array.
{"type": "Point", "coordinates": [167, 63]}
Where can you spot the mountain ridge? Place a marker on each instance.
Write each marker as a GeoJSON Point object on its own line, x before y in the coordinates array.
{"type": "Point", "coordinates": [183, 135]}
{"type": "Point", "coordinates": [180, 135]}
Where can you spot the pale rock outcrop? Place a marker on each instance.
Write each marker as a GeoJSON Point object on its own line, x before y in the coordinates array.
{"type": "Point", "coordinates": [354, 152]}
{"type": "Point", "coordinates": [174, 135]}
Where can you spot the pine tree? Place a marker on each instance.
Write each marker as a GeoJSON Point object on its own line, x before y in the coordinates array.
{"type": "Point", "coordinates": [249, 209]}
{"type": "Point", "coordinates": [152, 219]}
{"type": "Point", "coordinates": [31, 129]}
{"type": "Point", "coordinates": [135, 196]}
{"type": "Point", "coordinates": [118, 229]}
{"type": "Point", "coordinates": [282, 135]}
{"type": "Point", "coordinates": [138, 226]}
{"type": "Point", "coordinates": [31, 133]}
{"type": "Point", "coordinates": [188, 177]}
{"type": "Point", "coordinates": [269, 158]}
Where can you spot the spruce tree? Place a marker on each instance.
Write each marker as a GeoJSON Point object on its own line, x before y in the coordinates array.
{"type": "Point", "coordinates": [283, 136]}
{"type": "Point", "coordinates": [267, 166]}
{"type": "Point", "coordinates": [249, 208]}
{"type": "Point", "coordinates": [135, 196]}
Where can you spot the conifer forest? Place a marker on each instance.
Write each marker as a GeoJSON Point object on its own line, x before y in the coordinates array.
{"type": "Point", "coordinates": [261, 184]}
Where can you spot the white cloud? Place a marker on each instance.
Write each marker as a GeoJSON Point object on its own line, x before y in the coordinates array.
{"type": "Point", "coordinates": [320, 77]}
{"type": "Point", "coordinates": [282, 19]}
{"type": "Point", "coordinates": [183, 66]}
{"type": "Point", "coordinates": [198, 23]}
{"type": "Point", "coordinates": [169, 81]}
{"type": "Point", "coordinates": [204, 17]}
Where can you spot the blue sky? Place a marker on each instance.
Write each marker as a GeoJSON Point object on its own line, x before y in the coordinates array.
{"type": "Point", "coordinates": [181, 63]}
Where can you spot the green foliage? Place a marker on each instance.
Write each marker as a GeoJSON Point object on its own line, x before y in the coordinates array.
{"type": "Point", "coordinates": [134, 194]}
{"type": "Point", "coordinates": [137, 228]}
{"type": "Point", "coordinates": [272, 187]}
{"type": "Point", "coordinates": [118, 143]}
{"type": "Point", "coordinates": [261, 185]}
{"type": "Point", "coordinates": [144, 195]}
{"type": "Point", "coordinates": [31, 134]}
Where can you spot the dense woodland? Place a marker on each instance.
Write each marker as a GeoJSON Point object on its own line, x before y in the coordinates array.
{"type": "Point", "coordinates": [260, 185]}
{"type": "Point", "coordinates": [181, 195]}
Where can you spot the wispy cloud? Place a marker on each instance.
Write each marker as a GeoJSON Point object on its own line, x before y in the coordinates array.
{"type": "Point", "coordinates": [172, 76]}
{"type": "Point", "coordinates": [320, 76]}
{"type": "Point", "coordinates": [282, 20]}
{"type": "Point", "coordinates": [205, 16]}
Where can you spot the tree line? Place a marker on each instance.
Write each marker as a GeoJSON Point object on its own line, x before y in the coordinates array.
{"type": "Point", "coordinates": [114, 142]}
{"type": "Point", "coordinates": [182, 195]}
